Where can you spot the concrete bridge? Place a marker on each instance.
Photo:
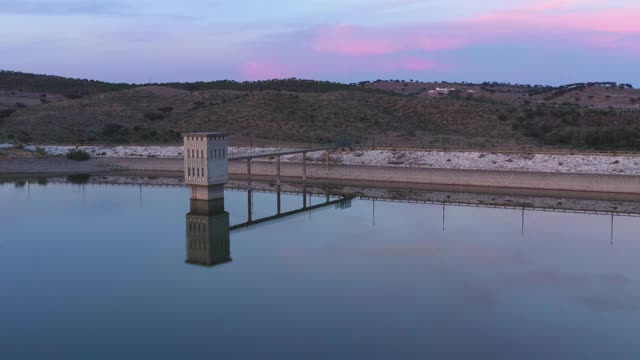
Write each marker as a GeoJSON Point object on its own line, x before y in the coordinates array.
{"type": "Point", "coordinates": [277, 155]}
{"type": "Point", "coordinates": [206, 163]}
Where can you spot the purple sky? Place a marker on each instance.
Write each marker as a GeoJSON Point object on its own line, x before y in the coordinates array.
{"type": "Point", "coordinates": [518, 41]}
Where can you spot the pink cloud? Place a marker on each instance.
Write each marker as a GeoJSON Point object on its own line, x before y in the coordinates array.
{"type": "Point", "coordinates": [612, 21]}
{"type": "Point", "coordinates": [349, 40]}
{"type": "Point", "coordinates": [258, 70]}
{"type": "Point", "coordinates": [547, 5]}
{"type": "Point", "coordinates": [358, 41]}
{"type": "Point", "coordinates": [410, 64]}
{"type": "Point", "coordinates": [254, 70]}
{"type": "Point", "coordinates": [436, 44]}
{"type": "Point", "coordinates": [352, 50]}
{"type": "Point", "coordinates": [567, 20]}
{"type": "Point", "coordinates": [419, 64]}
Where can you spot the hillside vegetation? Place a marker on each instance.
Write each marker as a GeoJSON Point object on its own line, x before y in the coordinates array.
{"type": "Point", "coordinates": [291, 110]}
{"type": "Point", "coordinates": [75, 88]}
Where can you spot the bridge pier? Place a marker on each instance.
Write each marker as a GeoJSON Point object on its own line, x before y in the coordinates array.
{"type": "Point", "coordinates": [249, 205]}
{"type": "Point", "coordinates": [304, 166]}
{"type": "Point", "coordinates": [278, 173]}
{"type": "Point", "coordinates": [279, 200]}
{"type": "Point", "coordinates": [304, 195]}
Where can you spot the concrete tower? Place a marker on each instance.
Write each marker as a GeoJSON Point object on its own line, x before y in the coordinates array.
{"type": "Point", "coordinates": [206, 164]}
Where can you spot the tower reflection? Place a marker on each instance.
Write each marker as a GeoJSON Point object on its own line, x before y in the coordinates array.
{"type": "Point", "coordinates": [208, 233]}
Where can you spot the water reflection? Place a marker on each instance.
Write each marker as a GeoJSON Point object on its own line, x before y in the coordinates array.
{"type": "Point", "coordinates": [208, 233]}
{"type": "Point", "coordinates": [78, 179]}
{"type": "Point", "coordinates": [476, 291]}
{"type": "Point", "coordinates": [208, 229]}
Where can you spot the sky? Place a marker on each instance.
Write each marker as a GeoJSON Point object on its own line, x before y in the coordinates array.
{"type": "Point", "coordinates": [136, 41]}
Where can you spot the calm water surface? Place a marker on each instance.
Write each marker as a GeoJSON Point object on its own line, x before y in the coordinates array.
{"type": "Point", "coordinates": [99, 272]}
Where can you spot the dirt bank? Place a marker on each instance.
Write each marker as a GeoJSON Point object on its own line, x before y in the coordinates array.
{"type": "Point", "coordinates": [364, 174]}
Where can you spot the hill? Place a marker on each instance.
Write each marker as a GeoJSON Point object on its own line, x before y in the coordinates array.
{"type": "Point", "coordinates": [12, 81]}
{"type": "Point", "coordinates": [387, 113]}
{"type": "Point", "coordinates": [594, 95]}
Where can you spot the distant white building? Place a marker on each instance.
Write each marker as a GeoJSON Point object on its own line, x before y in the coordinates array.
{"type": "Point", "coordinates": [444, 90]}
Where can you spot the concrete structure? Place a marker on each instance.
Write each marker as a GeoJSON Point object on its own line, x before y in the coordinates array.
{"type": "Point", "coordinates": [277, 155]}
{"type": "Point", "coordinates": [208, 233]}
{"type": "Point", "coordinates": [206, 164]}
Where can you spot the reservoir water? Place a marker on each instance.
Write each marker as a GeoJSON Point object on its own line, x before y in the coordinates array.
{"type": "Point", "coordinates": [110, 272]}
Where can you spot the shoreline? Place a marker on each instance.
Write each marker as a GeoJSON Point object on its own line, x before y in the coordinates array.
{"type": "Point", "coordinates": [372, 175]}
{"type": "Point", "coordinates": [514, 199]}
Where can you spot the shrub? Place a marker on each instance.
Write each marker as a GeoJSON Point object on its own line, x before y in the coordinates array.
{"type": "Point", "coordinates": [455, 94]}
{"type": "Point", "coordinates": [41, 151]}
{"type": "Point", "coordinates": [533, 130]}
{"type": "Point", "coordinates": [622, 138]}
{"type": "Point", "coordinates": [112, 129]}
{"type": "Point", "coordinates": [72, 96]}
{"type": "Point", "coordinates": [153, 116]}
{"type": "Point", "coordinates": [563, 136]}
{"type": "Point", "coordinates": [78, 155]}
{"type": "Point", "coordinates": [24, 137]}
{"type": "Point", "coordinates": [148, 134]}
{"type": "Point", "coordinates": [114, 132]}
{"type": "Point", "coordinates": [6, 113]}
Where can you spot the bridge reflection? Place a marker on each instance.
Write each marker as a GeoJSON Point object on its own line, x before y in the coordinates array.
{"type": "Point", "coordinates": [343, 201]}
{"type": "Point", "coordinates": [208, 230]}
